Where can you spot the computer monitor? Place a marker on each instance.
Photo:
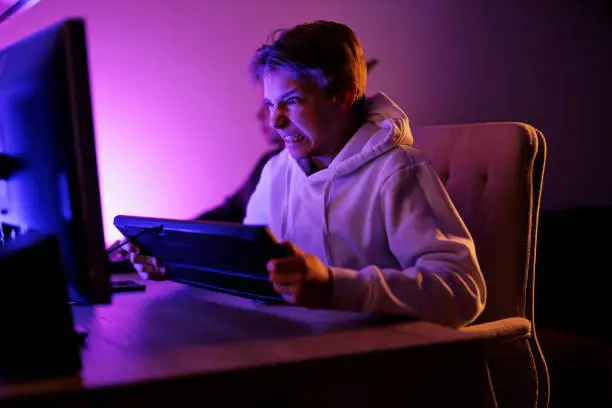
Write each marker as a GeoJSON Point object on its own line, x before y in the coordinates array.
{"type": "Point", "coordinates": [49, 181]}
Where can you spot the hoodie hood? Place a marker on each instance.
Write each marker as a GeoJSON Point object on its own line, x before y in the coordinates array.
{"type": "Point", "coordinates": [386, 127]}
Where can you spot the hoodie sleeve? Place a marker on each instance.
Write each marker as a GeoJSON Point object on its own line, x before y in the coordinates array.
{"type": "Point", "coordinates": [440, 280]}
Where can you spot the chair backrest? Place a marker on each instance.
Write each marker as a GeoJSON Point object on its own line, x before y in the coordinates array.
{"type": "Point", "coordinates": [493, 173]}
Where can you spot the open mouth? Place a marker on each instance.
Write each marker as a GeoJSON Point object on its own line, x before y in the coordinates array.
{"type": "Point", "coordinates": [293, 139]}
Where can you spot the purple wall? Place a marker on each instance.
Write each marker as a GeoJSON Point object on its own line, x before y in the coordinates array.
{"type": "Point", "coordinates": [174, 109]}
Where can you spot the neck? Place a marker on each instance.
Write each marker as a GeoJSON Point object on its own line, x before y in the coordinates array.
{"type": "Point", "coordinates": [355, 119]}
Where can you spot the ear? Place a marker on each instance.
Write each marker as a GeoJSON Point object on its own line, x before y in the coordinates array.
{"type": "Point", "coordinates": [347, 100]}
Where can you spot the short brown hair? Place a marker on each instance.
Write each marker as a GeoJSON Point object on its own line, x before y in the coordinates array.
{"type": "Point", "coordinates": [324, 52]}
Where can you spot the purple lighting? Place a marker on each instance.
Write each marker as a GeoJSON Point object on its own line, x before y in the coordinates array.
{"type": "Point", "coordinates": [174, 109]}
{"type": "Point", "coordinates": [10, 8]}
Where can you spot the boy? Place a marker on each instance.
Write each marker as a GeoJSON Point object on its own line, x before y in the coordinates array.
{"type": "Point", "coordinates": [366, 219]}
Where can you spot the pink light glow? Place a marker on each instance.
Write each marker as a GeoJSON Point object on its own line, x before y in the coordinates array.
{"type": "Point", "coordinates": [174, 108]}
{"type": "Point", "coordinates": [175, 112]}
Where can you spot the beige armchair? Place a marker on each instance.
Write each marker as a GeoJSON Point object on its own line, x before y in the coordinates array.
{"type": "Point", "coordinates": [493, 173]}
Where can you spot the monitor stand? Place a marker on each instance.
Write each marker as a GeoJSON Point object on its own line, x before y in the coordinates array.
{"type": "Point", "coordinates": [38, 335]}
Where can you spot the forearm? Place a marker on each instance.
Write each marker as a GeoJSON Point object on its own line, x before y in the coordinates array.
{"type": "Point", "coordinates": [443, 293]}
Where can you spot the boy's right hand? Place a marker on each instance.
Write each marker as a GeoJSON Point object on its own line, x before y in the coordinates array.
{"type": "Point", "coordinates": [147, 267]}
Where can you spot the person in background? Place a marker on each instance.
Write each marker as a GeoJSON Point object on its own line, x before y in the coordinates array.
{"type": "Point", "coordinates": [233, 208]}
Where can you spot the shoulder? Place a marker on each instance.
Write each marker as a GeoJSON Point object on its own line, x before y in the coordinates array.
{"type": "Point", "coordinates": [403, 162]}
{"type": "Point", "coordinates": [277, 160]}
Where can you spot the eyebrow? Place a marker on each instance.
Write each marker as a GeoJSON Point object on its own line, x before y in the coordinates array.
{"type": "Point", "coordinates": [286, 94]}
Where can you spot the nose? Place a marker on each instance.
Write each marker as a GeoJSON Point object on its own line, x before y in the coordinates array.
{"type": "Point", "coordinates": [278, 119]}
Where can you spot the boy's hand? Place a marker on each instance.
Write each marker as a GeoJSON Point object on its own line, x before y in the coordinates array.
{"type": "Point", "coordinates": [147, 267]}
{"type": "Point", "coordinates": [301, 278]}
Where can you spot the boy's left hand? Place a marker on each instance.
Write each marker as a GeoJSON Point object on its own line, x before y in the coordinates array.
{"type": "Point", "coordinates": [301, 278]}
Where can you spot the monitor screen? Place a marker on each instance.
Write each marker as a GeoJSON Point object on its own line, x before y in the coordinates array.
{"type": "Point", "coordinates": [50, 175]}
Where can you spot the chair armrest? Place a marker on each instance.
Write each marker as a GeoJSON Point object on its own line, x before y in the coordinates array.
{"type": "Point", "coordinates": [511, 328]}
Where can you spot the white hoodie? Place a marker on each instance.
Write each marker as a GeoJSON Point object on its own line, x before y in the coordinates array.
{"type": "Point", "coordinates": [380, 218]}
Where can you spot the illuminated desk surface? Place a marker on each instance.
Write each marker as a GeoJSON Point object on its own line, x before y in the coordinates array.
{"type": "Point", "coordinates": [174, 341]}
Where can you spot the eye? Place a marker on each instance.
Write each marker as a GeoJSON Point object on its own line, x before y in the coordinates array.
{"type": "Point", "coordinates": [293, 100]}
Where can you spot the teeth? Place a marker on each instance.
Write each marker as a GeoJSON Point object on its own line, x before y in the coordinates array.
{"type": "Point", "coordinates": [293, 138]}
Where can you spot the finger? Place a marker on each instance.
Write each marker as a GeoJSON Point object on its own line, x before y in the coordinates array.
{"type": "Point", "coordinates": [142, 271]}
{"type": "Point", "coordinates": [291, 249]}
{"type": "Point", "coordinates": [151, 276]}
{"type": "Point", "coordinates": [286, 279]}
{"type": "Point", "coordinates": [131, 248]}
{"type": "Point", "coordinates": [159, 274]}
{"type": "Point", "coordinates": [118, 256]}
{"type": "Point", "coordinates": [114, 248]}
{"type": "Point", "coordinates": [289, 297]}
{"type": "Point", "coordinates": [119, 249]}
{"type": "Point", "coordinates": [140, 267]}
{"type": "Point", "coordinates": [150, 272]}
{"type": "Point", "coordinates": [289, 293]}
{"type": "Point", "coordinates": [143, 259]}
{"type": "Point", "coordinates": [122, 252]}
{"type": "Point", "coordinates": [286, 266]}
{"type": "Point", "coordinates": [285, 289]}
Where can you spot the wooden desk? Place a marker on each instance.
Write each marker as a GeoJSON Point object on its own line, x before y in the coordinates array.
{"type": "Point", "coordinates": [185, 346]}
